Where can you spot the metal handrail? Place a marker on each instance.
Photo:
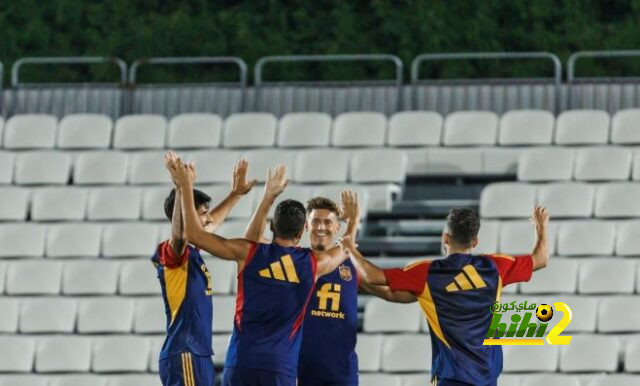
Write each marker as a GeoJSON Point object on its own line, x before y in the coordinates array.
{"type": "Point", "coordinates": [15, 69]}
{"type": "Point", "coordinates": [242, 65]}
{"type": "Point", "coordinates": [571, 63]}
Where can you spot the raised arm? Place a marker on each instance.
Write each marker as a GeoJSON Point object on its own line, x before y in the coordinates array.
{"type": "Point", "coordinates": [540, 254]}
{"type": "Point", "coordinates": [276, 183]}
{"type": "Point", "coordinates": [369, 272]}
{"type": "Point", "coordinates": [239, 187]}
{"type": "Point", "coordinates": [178, 235]}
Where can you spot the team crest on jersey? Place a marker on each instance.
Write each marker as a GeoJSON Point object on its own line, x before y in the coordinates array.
{"type": "Point", "coordinates": [345, 272]}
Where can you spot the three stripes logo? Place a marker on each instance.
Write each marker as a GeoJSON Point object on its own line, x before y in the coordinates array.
{"type": "Point", "coordinates": [468, 279]}
{"type": "Point", "coordinates": [278, 269]}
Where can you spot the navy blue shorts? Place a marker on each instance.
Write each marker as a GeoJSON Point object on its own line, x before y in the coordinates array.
{"type": "Point", "coordinates": [187, 370]}
{"type": "Point", "coordinates": [240, 376]}
{"type": "Point", "coordinates": [313, 382]}
{"type": "Point", "coordinates": [450, 382]}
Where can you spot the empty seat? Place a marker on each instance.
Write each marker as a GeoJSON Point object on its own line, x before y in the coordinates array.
{"type": "Point", "coordinates": [546, 164]}
{"type": "Point", "coordinates": [304, 130]}
{"type": "Point", "coordinates": [586, 238]}
{"type": "Point", "coordinates": [405, 353]}
{"type": "Point", "coordinates": [380, 165]}
{"type": "Point", "coordinates": [619, 278]}
{"type": "Point", "coordinates": [415, 128]}
{"type": "Point", "coordinates": [97, 315]}
{"type": "Point", "coordinates": [90, 277]}
{"type": "Point", "coordinates": [77, 380]}
{"type": "Point", "coordinates": [100, 167]}
{"type": "Point", "coordinates": [9, 315]}
{"type": "Point", "coordinates": [619, 314]}
{"type": "Point", "coordinates": [360, 128]}
{"type": "Point", "coordinates": [488, 237]}
{"type": "Point", "coordinates": [382, 316]}
{"type": "Point", "coordinates": [416, 379]}
{"type": "Point", "coordinates": [232, 229]}
{"type": "Point", "coordinates": [566, 199]}
{"type": "Point", "coordinates": [632, 355]}
{"type": "Point", "coordinates": [334, 191]}
{"type": "Point", "coordinates": [249, 130]}
{"type": "Point", "coordinates": [509, 380]}
{"type": "Point", "coordinates": [374, 197]}
{"type": "Point", "coordinates": [153, 202]}
{"type": "Point", "coordinates": [33, 277]}
{"type": "Point", "coordinates": [224, 311]}
{"type": "Point", "coordinates": [39, 315]}
{"type": "Point", "coordinates": [624, 127]}
{"type": "Point", "coordinates": [582, 127]}
{"type": "Point", "coordinates": [125, 240]}
{"type": "Point", "coordinates": [19, 199]}
{"type": "Point", "coordinates": [380, 380]}
{"type": "Point", "coordinates": [518, 237]}
{"type": "Point", "coordinates": [442, 161]}
{"type": "Point", "coordinates": [242, 209]}
{"type": "Point", "coordinates": [213, 166]}
{"type": "Point", "coordinates": [526, 127]}
{"type": "Point", "coordinates": [155, 346]}
{"type": "Point", "coordinates": [194, 131]}
{"type": "Point", "coordinates": [3, 270]}
{"type": "Point", "coordinates": [530, 358]}
{"type": "Point", "coordinates": [262, 160]}
{"type": "Point", "coordinates": [329, 165]}
{"type": "Point", "coordinates": [73, 240]}
{"type": "Point", "coordinates": [7, 162]}
{"type": "Point", "coordinates": [17, 354]}
{"type": "Point", "coordinates": [84, 131]}
{"type": "Point", "coordinates": [138, 277]}
{"type": "Point", "coordinates": [143, 131]}
{"type": "Point", "coordinates": [560, 276]}
{"type": "Point", "coordinates": [63, 353]}
{"type": "Point", "coordinates": [584, 309]}
{"type": "Point", "coordinates": [628, 239]}
{"type": "Point", "coordinates": [120, 354]}
{"type": "Point", "coordinates": [223, 273]}
{"type": "Point", "coordinates": [550, 380]}
{"type": "Point", "coordinates": [147, 167]}
{"type": "Point", "coordinates": [114, 203]}
{"type": "Point", "coordinates": [618, 200]}
{"type": "Point", "coordinates": [369, 349]}
{"type": "Point", "coordinates": [590, 353]}
{"type": "Point", "coordinates": [603, 164]}
{"type": "Point", "coordinates": [220, 347]}
{"type": "Point", "coordinates": [30, 131]}
{"type": "Point", "coordinates": [42, 167]}
{"type": "Point", "coordinates": [23, 380]}
{"type": "Point", "coordinates": [507, 200]}
{"type": "Point", "coordinates": [22, 240]}
{"type": "Point", "coordinates": [500, 160]}
{"type": "Point", "coordinates": [468, 128]}
{"type": "Point", "coordinates": [149, 315]}
{"type": "Point", "coordinates": [58, 203]}
{"type": "Point", "coordinates": [615, 380]}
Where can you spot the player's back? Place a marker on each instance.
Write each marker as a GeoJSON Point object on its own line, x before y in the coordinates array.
{"type": "Point", "coordinates": [274, 288]}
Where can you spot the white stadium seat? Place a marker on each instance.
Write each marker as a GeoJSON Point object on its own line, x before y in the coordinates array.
{"type": "Point", "coordinates": [589, 237]}
{"type": "Point", "coordinates": [17, 354]}
{"type": "Point", "coordinates": [628, 238]}
{"type": "Point", "coordinates": [415, 128]}
{"type": "Point", "coordinates": [304, 130]}
{"type": "Point", "coordinates": [109, 314]}
{"type": "Point", "coordinates": [84, 131]}
{"type": "Point", "coordinates": [369, 351]}
{"type": "Point", "coordinates": [196, 130]}
{"type": "Point", "coordinates": [380, 380]}
{"type": "Point", "coordinates": [224, 312]}
{"type": "Point", "coordinates": [19, 199]}
{"type": "Point", "coordinates": [243, 208]}
{"type": "Point", "coordinates": [500, 160]}
{"type": "Point", "coordinates": [9, 315]}
{"type": "Point", "coordinates": [567, 199]}
{"type": "Point", "coordinates": [469, 128]}
{"type": "Point", "coordinates": [380, 165]}
{"type": "Point", "coordinates": [42, 167]}
{"type": "Point", "coordinates": [22, 240]}
{"type": "Point", "coordinates": [33, 277]}
{"type": "Point", "coordinates": [619, 314]}
{"type": "Point", "coordinates": [584, 309]}
{"type": "Point", "coordinates": [262, 160]}
{"type": "Point", "coordinates": [546, 164]}
{"type": "Point", "coordinates": [382, 316]}
{"type": "Point", "coordinates": [120, 354]}
{"type": "Point", "coordinates": [616, 380]}
{"type": "Point", "coordinates": [153, 202]}
{"type": "Point", "coordinates": [603, 164]}
{"type": "Point", "coordinates": [2, 124]}
{"type": "Point", "coordinates": [507, 200]}
{"type": "Point", "coordinates": [249, 130]}
{"type": "Point", "coordinates": [419, 379]}
{"type": "Point", "coordinates": [447, 161]}
{"type": "Point", "coordinates": [23, 380]}
{"type": "Point", "coordinates": [63, 354]}
{"type": "Point", "coordinates": [73, 240]}
{"type": "Point", "coordinates": [138, 380]}
{"type": "Point", "coordinates": [361, 128]}
{"type": "Point", "coordinates": [3, 271]}
{"type": "Point", "coordinates": [155, 346]}
{"type": "Point", "coordinates": [213, 166]}
{"type": "Point", "coordinates": [114, 203]}
{"type": "Point", "coordinates": [526, 127]}
{"type": "Point", "coordinates": [223, 273]}
{"type": "Point", "coordinates": [333, 192]}
{"type": "Point", "coordinates": [618, 200]}
{"type": "Point", "coordinates": [314, 166]}
{"type": "Point", "coordinates": [488, 237]}
{"type": "Point", "coordinates": [632, 355]}
{"type": "Point", "coordinates": [147, 167]}
{"type": "Point", "coordinates": [560, 276]}
{"type": "Point", "coordinates": [138, 277]}
{"type": "Point", "coordinates": [58, 203]}
{"type": "Point", "coordinates": [624, 127]}
{"type": "Point", "coordinates": [7, 163]}
{"type": "Point", "coordinates": [126, 240]}
{"type": "Point", "coordinates": [232, 229]}
{"type": "Point", "coordinates": [619, 278]}
{"type": "Point", "coordinates": [550, 380]}
{"type": "Point", "coordinates": [100, 167]}
{"type": "Point", "coordinates": [90, 277]}
{"type": "Point", "coordinates": [38, 315]}
{"type": "Point", "coordinates": [220, 347]}
{"type": "Point", "coordinates": [518, 237]}
{"type": "Point", "coordinates": [530, 358]}
{"type": "Point", "coordinates": [77, 380]}
{"type": "Point", "coordinates": [582, 127]}
{"type": "Point", "coordinates": [140, 131]}
{"type": "Point", "coordinates": [30, 131]}
{"type": "Point", "coordinates": [589, 353]}
{"type": "Point", "coordinates": [406, 353]}
{"type": "Point", "coordinates": [149, 315]}
{"type": "Point", "coordinates": [509, 380]}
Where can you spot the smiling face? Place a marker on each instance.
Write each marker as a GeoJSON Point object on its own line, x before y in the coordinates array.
{"type": "Point", "coordinates": [324, 226]}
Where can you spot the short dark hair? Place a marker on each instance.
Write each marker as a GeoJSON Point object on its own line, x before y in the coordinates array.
{"type": "Point", "coordinates": [288, 219]}
{"type": "Point", "coordinates": [463, 225]}
{"type": "Point", "coordinates": [199, 198]}
{"type": "Point", "coordinates": [322, 203]}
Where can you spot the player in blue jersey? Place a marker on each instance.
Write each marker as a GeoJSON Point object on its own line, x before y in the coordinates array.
{"type": "Point", "coordinates": [275, 283]}
{"type": "Point", "coordinates": [185, 359]}
{"type": "Point", "coordinates": [456, 294]}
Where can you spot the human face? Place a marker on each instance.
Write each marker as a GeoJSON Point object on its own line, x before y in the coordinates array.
{"type": "Point", "coordinates": [323, 225]}
{"type": "Point", "coordinates": [205, 218]}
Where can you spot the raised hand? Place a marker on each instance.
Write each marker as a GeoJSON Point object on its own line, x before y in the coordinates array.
{"type": "Point", "coordinates": [276, 181]}
{"type": "Point", "coordinates": [183, 175]}
{"type": "Point", "coordinates": [239, 184]}
{"type": "Point", "coordinates": [350, 206]}
{"type": "Point", "coordinates": [540, 217]}
{"type": "Point", "coordinates": [347, 243]}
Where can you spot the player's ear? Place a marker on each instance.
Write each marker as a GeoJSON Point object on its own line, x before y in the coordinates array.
{"type": "Point", "coordinates": [445, 242]}
{"type": "Point", "coordinates": [474, 242]}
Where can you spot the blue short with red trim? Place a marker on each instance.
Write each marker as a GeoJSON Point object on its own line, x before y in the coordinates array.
{"type": "Point", "coordinates": [240, 376]}
{"type": "Point", "coordinates": [187, 369]}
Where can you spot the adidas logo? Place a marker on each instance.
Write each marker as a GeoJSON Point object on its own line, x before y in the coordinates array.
{"type": "Point", "coordinates": [467, 280]}
{"type": "Point", "coordinates": [278, 269]}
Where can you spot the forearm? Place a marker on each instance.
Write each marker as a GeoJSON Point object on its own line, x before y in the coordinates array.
{"type": "Point", "coordinates": [178, 234]}
{"type": "Point", "coordinates": [221, 211]}
{"type": "Point", "coordinates": [192, 226]}
{"type": "Point", "coordinates": [369, 272]}
{"type": "Point", "coordinates": [540, 254]}
{"type": "Point", "coordinates": [352, 228]}
{"type": "Point", "coordinates": [384, 292]}
{"type": "Point", "coordinates": [258, 222]}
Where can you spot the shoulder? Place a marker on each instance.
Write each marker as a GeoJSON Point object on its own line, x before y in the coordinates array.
{"type": "Point", "coordinates": [418, 264]}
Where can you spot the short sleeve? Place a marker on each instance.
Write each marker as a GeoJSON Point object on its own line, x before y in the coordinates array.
{"type": "Point", "coordinates": [167, 257]}
{"type": "Point", "coordinates": [513, 269]}
{"type": "Point", "coordinates": [413, 278]}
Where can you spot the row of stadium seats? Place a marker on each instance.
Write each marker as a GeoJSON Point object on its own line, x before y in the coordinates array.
{"type": "Point", "coordinates": [408, 128]}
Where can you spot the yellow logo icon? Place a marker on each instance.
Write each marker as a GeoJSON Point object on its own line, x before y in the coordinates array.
{"type": "Point", "coordinates": [329, 302]}
{"type": "Point", "coordinates": [277, 270]}
{"type": "Point", "coordinates": [467, 280]}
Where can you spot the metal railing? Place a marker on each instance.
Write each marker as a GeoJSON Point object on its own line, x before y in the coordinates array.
{"type": "Point", "coordinates": [17, 66]}
{"type": "Point", "coordinates": [242, 66]}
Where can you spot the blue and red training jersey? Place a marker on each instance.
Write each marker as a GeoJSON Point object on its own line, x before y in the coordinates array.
{"type": "Point", "coordinates": [456, 294]}
{"type": "Point", "coordinates": [274, 287]}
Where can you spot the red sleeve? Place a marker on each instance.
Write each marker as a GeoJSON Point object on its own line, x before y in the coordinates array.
{"type": "Point", "coordinates": [167, 256]}
{"type": "Point", "coordinates": [413, 278]}
{"type": "Point", "coordinates": [513, 269]}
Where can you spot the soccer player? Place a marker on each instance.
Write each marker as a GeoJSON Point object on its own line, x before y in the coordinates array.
{"type": "Point", "coordinates": [185, 359]}
{"type": "Point", "coordinates": [456, 294]}
{"type": "Point", "coordinates": [275, 282]}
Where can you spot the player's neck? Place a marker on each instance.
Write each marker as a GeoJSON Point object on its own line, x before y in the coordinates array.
{"type": "Point", "coordinates": [285, 243]}
{"type": "Point", "coordinates": [461, 251]}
